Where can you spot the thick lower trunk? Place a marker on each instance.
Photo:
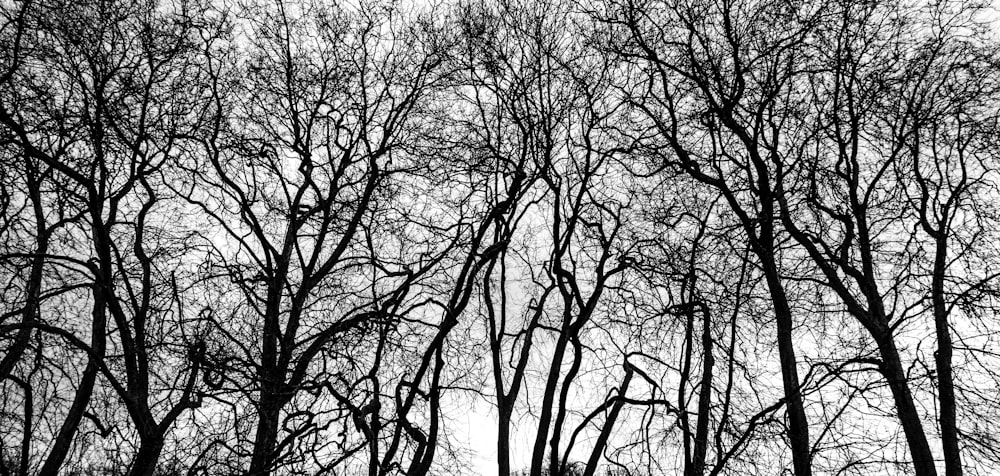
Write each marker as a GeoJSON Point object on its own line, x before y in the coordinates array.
{"type": "Point", "coordinates": [29, 409]}
{"type": "Point", "coordinates": [798, 432]}
{"type": "Point", "coordinates": [704, 397]}
{"type": "Point", "coordinates": [602, 440]}
{"type": "Point", "coordinates": [147, 457]}
{"type": "Point", "coordinates": [266, 438]}
{"type": "Point", "coordinates": [946, 397]}
{"type": "Point", "coordinates": [798, 428]}
{"type": "Point", "coordinates": [556, 463]}
{"type": "Point", "coordinates": [270, 379]}
{"type": "Point", "coordinates": [548, 398]}
{"type": "Point", "coordinates": [906, 410]}
{"type": "Point", "coordinates": [64, 438]}
{"type": "Point", "coordinates": [376, 429]}
{"type": "Point", "coordinates": [946, 385]}
{"type": "Point", "coordinates": [30, 313]}
{"type": "Point", "coordinates": [503, 442]}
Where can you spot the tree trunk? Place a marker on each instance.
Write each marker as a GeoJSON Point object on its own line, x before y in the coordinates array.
{"type": "Point", "coordinates": [64, 439]}
{"type": "Point", "coordinates": [30, 313]}
{"type": "Point", "coordinates": [147, 457]}
{"type": "Point", "coordinates": [946, 384]}
{"type": "Point", "coordinates": [704, 396]}
{"type": "Point", "coordinates": [798, 429]}
{"type": "Point", "coordinates": [266, 438]}
{"type": "Point", "coordinates": [892, 368]}
{"type": "Point", "coordinates": [503, 441]}
{"type": "Point", "coordinates": [548, 398]}
{"type": "Point", "coordinates": [609, 424]}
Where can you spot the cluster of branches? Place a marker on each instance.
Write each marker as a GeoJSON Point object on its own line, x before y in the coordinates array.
{"type": "Point", "coordinates": [635, 237]}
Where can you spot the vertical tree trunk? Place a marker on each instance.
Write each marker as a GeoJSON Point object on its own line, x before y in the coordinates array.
{"type": "Point", "coordinates": [704, 396]}
{"type": "Point", "coordinates": [266, 438]}
{"type": "Point", "coordinates": [798, 430]}
{"type": "Point", "coordinates": [29, 410]}
{"type": "Point", "coordinates": [147, 457]}
{"type": "Point", "coordinates": [270, 378]}
{"type": "Point", "coordinates": [34, 284]}
{"type": "Point", "coordinates": [503, 441]}
{"type": "Point", "coordinates": [548, 398]}
{"type": "Point", "coordinates": [31, 307]}
{"type": "Point", "coordinates": [909, 418]}
{"type": "Point", "coordinates": [946, 384]}
{"type": "Point", "coordinates": [64, 438]}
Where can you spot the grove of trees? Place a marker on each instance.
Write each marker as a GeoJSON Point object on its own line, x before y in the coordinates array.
{"type": "Point", "coordinates": [636, 237]}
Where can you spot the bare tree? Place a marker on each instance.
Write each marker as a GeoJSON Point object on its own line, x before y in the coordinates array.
{"type": "Point", "coordinates": [648, 236]}
{"type": "Point", "coordinates": [91, 95]}
{"type": "Point", "coordinates": [702, 68]}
